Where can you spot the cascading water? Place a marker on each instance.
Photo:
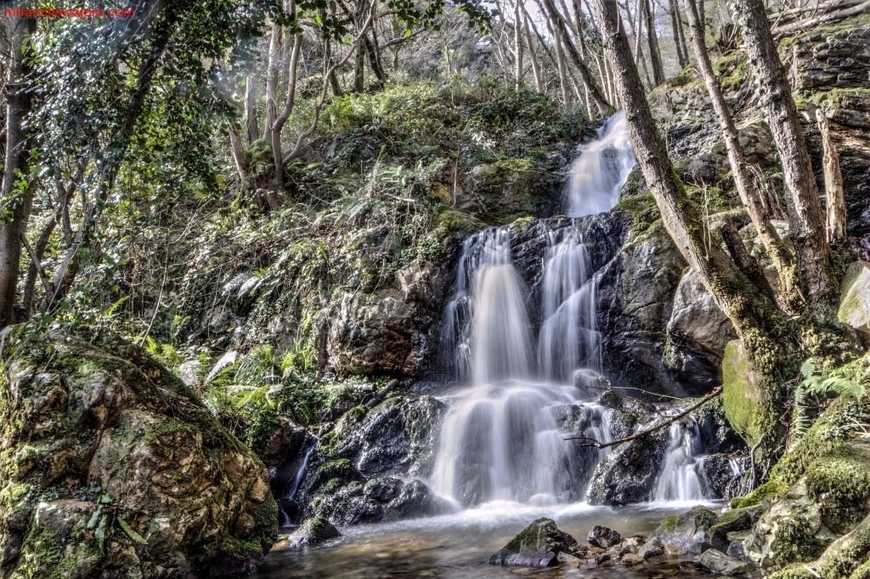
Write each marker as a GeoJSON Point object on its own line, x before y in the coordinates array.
{"type": "Point", "coordinates": [503, 438]}
{"type": "Point", "coordinates": [568, 339]}
{"type": "Point", "coordinates": [601, 170]}
{"type": "Point", "coordinates": [679, 480]}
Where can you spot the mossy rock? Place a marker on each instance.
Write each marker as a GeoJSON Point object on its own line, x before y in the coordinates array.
{"type": "Point", "coordinates": [110, 467]}
{"type": "Point", "coordinates": [741, 394]}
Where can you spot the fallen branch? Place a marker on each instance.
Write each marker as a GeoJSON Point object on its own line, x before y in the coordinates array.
{"type": "Point", "coordinates": [825, 14]}
{"type": "Point", "coordinates": [586, 441]}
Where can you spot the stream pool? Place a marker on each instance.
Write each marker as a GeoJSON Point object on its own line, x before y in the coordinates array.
{"type": "Point", "coordinates": [459, 545]}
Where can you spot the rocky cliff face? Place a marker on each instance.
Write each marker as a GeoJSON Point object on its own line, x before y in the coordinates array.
{"type": "Point", "coordinates": [110, 467]}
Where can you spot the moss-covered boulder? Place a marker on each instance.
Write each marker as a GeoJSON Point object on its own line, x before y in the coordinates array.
{"type": "Point", "coordinates": [741, 393]}
{"type": "Point", "coordinates": [538, 545]}
{"type": "Point", "coordinates": [690, 532]}
{"type": "Point", "coordinates": [110, 467]}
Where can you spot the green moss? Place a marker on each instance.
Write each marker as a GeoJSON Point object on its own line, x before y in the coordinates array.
{"type": "Point", "coordinates": [741, 397]}
{"type": "Point", "coordinates": [840, 484]}
{"type": "Point", "coordinates": [769, 490]}
{"type": "Point", "coordinates": [794, 542]}
{"type": "Point", "coordinates": [455, 221]}
{"type": "Point", "coordinates": [669, 524]}
{"type": "Point", "coordinates": [732, 521]}
{"type": "Point", "coordinates": [794, 572]}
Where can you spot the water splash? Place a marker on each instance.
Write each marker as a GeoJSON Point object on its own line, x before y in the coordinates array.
{"type": "Point", "coordinates": [601, 170]}
{"type": "Point", "coordinates": [679, 480]}
{"type": "Point", "coordinates": [504, 442]}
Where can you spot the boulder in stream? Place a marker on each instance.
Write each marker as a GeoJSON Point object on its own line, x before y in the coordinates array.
{"type": "Point", "coordinates": [538, 545]}
{"type": "Point", "coordinates": [313, 531]}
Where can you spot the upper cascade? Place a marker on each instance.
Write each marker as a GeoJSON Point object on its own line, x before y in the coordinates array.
{"type": "Point", "coordinates": [601, 170]}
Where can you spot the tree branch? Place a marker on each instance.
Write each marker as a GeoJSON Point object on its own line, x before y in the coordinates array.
{"type": "Point", "coordinates": [586, 441]}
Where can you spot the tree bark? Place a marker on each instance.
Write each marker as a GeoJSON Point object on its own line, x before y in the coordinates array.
{"type": "Point", "coordinates": [806, 221]}
{"type": "Point", "coordinates": [655, 55]}
{"type": "Point", "coordinates": [251, 122]}
{"type": "Point", "coordinates": [833, 183]}
{"type": "Point", "coordinates": [679, 37]}
{"type": "Point", "coordinates": [754, 316]}
{"type": "Point", "coordinates": [747, 189]}
{"type": "Point", "coordinates": [585, 75]}
{"type": "Point", "coordinates": [518, 46]}
{"type": "Point", "coordinates": [16, 195]}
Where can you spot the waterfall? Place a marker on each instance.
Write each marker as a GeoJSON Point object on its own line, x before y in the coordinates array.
{"type": "Point", "coordinates": [568, 339]}
{"type": "Point", "coordinates": [601, 170]}
{"type": "Point", "coordinates": [679, 480]}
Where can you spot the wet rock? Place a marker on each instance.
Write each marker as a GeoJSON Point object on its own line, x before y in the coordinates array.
{"type": "Point", "coordinates": [687, 533]}
{"type": "Point", "coordinates": [717, 436]}
{"type": "Point", "coordinates": [718, 562]}
{"type": "Point", "coordinates": [416, 500]}
{"type": "Point", "coordinates": [313, 531]}
{"type": "Point", "coordinates": [101, 438]}
{"type": "Point", "coordinates": [653, 547]}
{"type": "Point", "coordinates": [398, 437]}
{"type": "Point", "coordinates": [733, 521]}
{"type": "Point", "coordinates": [717, 474]}
{"type": "Point", "coordinates": [538, 545]}
{"type": "Point", "coordinates": [628, 474]}
{"type": "Point", "coordinates": [603, 537]}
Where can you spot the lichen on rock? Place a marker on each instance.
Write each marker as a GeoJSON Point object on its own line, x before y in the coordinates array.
{"type": "Point", "coordinates": [110, 465]}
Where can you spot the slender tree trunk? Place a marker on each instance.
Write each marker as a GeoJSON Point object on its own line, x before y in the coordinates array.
{"type": "Point", "coordinates": [238, 150]}
{"type": "Point", "coordinates": [679, 39]}
{"type": "Point", "coordinates": [779, 254]}
{"type": "Point", "coordinates": [585, 75]}
{"type": "Point", "coordinates": [518, 46]}
{"type": "Point", "coordinates": [655, 56]}
{"type": "Point", "coordinates": [833, 183]}
{"type": "Point", "coordinates": [251, 122]}
{"type": "Point", "coordinates": [533, 57]}
{"type": "Point", "coordinates": [638, 45]}
{"type": "Point", "coordinates": [564, 86]}
{"type": "Point", "coordinates": [16, 196]}
{"type": "Point", "coordinates": [753, 315]}
{"type": "Point", "coordinates": [806, 221]}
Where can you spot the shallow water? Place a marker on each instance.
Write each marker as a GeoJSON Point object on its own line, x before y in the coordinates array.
{"type": "Point", "coordinates": [459, 545]}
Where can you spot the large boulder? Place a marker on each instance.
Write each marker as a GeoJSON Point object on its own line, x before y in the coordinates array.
{"type": "Point", "coordinates": [689, 532]}
{"type": "Point", "coordinates": [111, 467]}
{"type": "Point", "coordinates": [538, 545]}
{"type": "Point", "coordinates": [628, 474]}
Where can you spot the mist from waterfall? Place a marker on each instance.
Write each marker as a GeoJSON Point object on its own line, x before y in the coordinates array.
{"type": "Point", "coordinates": [601, 170]}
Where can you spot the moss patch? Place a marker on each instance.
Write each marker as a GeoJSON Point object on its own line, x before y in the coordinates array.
{"type": "Point", "coordinates": [741, 397]}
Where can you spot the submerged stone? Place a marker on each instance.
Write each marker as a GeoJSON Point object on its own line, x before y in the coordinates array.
{"type": "Point", "coordinates": [718, 562]}
{"type": "Point", "coordinates": [538, 545]}
{"type": "Point", "coordinates": [603, 537]}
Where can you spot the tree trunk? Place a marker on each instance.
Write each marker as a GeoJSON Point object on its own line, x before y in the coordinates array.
{"type": "Point", "coordinates": [563, 73]}
{"type": "Point", "coordinates": [743, 179]}
{"type": "Point", "coordinates": [833, 183]}
{"type": "Point", "coordinates": [251, 122]}
{"type": "Point", "coordinates": [655, 55]}
{"type": "Point", "coordinates": [16, 195]}
{"type": "Point", "coordinates": [518, 46]}
{"type": "Point", "coordinates": [806, 221]}
{"type": "Point", "coordinates": [585, 75]}
{"type": "Point", "coordinates": [754, 316]}
{"type": "Point", "coordinates": [679, 38]}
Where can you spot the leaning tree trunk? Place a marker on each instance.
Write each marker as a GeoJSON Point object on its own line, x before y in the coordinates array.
{"type": "Point", "coordinates": [746, 185]}
{"type": "Point", "coordinates": [16, 196]}
{"type": "Point", "coordinates": [751, 311]}
{"type": "Point", "coordinates": [655, 55]}
{"type": "Point", "coordinates": [806, 220]}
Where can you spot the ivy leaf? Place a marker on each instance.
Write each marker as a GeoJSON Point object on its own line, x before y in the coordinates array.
{"type": "Point", "coordinates": [130, 532]}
